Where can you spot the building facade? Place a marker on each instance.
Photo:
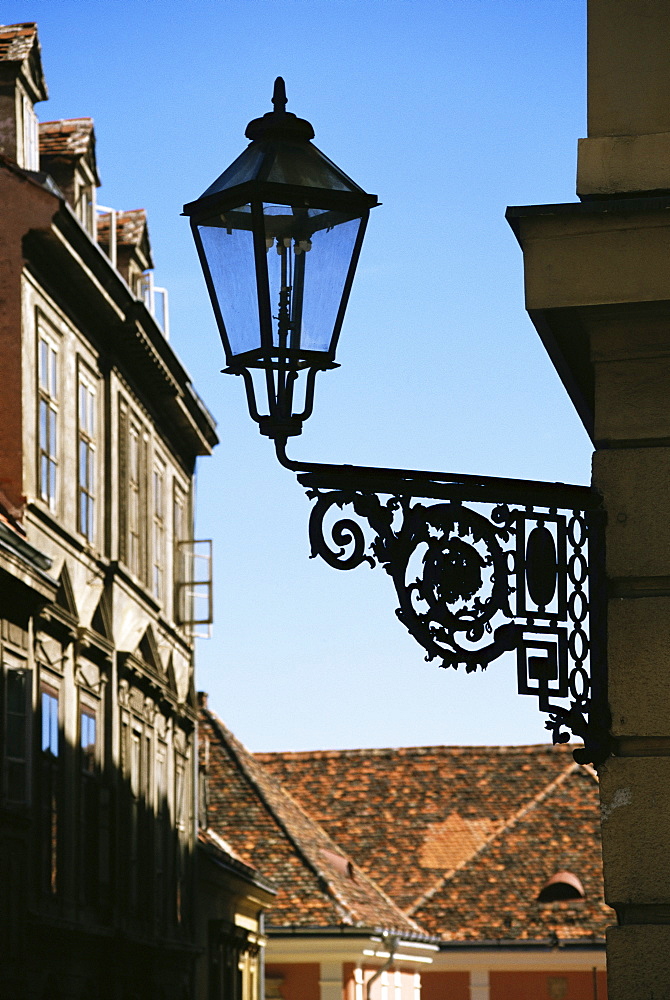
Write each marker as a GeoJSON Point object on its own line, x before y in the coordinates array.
{"type": "Point", "coordinates": [100, 429]}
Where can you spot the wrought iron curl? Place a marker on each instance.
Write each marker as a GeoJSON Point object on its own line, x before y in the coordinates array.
{"type": "Point", "coordinates": [345, 533]}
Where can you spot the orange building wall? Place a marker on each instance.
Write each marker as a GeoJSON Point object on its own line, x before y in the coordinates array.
{"type": "Point", "coordinates": [446, 986]}
{"type": "Point", "coordinates": [300, 980]}
{"type": "Point", "coordinates": [349, 990]}
{"type": "Point", "coordinates": [546, 986]}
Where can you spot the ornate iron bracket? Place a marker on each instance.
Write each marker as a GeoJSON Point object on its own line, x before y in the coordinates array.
{"type": "Point", "coordinates": [490, 566]}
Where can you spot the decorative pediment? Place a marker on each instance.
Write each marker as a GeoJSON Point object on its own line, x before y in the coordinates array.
{"type": "Point", "coordinates": [172, 684]}
{"type": "Point", "coordinates": [101, 621]}
{"type": "Point", "coordinates": [147, 652]}
{"type": "Point", "coordinates": [65, 599]}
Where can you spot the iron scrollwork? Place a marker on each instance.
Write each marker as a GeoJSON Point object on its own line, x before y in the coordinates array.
{"type": "Point", "coordinates": [477, 577]}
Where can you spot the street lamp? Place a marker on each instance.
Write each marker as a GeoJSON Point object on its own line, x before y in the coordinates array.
{"type": "Point", "coordinates": [488, 566]}
{"type": "Point", "coordinates": [279, 234]}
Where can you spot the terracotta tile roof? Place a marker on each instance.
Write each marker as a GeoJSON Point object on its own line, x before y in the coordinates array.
{"type": "Point", "coordinates": [67, 137]}
{"type": "Point", "coordinates": [434, 804]}
{"type": "Point", "coordinates": [430, 824]}
{"type": "Point", "coordinates": [494, 895]}
{"type": "Point", "coordinates": [131, 227]}
{"type": "Point", "coordinates": [318, 884]}
{"type": "Point", "coordinates": [16, 41]}
{"type": "Point", "coordinates": [219, 850]}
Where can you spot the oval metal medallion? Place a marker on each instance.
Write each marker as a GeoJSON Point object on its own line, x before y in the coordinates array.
{"type": "Point", "coordinates": [541, 567]}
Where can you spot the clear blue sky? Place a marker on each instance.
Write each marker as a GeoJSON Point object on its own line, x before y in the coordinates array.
{"type": "Point", "coordinates": [449, 110]}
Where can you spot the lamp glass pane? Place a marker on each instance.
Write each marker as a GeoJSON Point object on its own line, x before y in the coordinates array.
{"type": "Point", "coordinates": [227, 242]}
{"type": "Point", "coordinates": [309, 256]}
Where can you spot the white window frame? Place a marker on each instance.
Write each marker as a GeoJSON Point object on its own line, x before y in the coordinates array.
{"type": "Point", "coordinates": [48, 418]}
{"type": "Point", "coordinates": [87, 454]}
{"type": "Point", "coordinates": [158, 528]}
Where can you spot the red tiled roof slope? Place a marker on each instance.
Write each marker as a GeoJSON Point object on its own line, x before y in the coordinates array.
{"type": "Point", "coordinates": [318, 885]}
{"type": "Point", "coordinates": [494, 895]}
{"type": "Point", "coordinates": [130, 227]}
{"type": "Point", "coordinates": [407, 815]}
{"type": "Point", "coordinates": [66, 137]}
{"type": "Point", "coordinates": [16, 41]}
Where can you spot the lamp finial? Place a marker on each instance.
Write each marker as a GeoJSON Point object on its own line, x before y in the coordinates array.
{"type": "Point", "coordinates": [279, 96]}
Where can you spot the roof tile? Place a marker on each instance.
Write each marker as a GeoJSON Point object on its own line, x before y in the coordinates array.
{"type": "Point", "coordinates": [66, 137]}
{"type": "Point", "coordinates": [16, 41]}
{"type": "Point", "coordinates": [462, 838]}
{"type": "Point", "coordinates": [318, 884]}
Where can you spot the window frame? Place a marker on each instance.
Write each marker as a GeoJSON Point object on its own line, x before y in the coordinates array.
{"type": "Point", "coordinates": [159, 479]}
{"type": "Point", "coordinates": [87, 439]}
{"type": "Point", "coordinates": [49, 781]}
{"type": "Point", "coordinates": [133, 463]}
{"type": "Point", "coordinates": [13, 665]}
{"type": "Point", "coordinates": [48, 399]}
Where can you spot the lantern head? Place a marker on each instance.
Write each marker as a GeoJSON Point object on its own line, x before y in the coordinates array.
{"type": "Point", "coordinates": [279, 234]}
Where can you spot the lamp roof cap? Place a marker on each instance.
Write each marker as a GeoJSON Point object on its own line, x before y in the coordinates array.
{"type": "Point", "coordinates": [279, 123]}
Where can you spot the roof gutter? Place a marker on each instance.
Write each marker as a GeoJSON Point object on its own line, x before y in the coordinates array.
{"type": "Point", "coordinates": [344, 930]}
{"type": "Point", "coordinates": [546, 944]}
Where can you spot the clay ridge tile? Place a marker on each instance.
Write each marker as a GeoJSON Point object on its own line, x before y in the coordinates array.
{"type": "Point", "coordinates": [66, 137]}
{"type": "Point", "coordinates": [16, 41]}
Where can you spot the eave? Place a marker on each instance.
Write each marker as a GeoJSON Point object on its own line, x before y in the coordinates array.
{"type": "Point", "coordinates": [581, 259]}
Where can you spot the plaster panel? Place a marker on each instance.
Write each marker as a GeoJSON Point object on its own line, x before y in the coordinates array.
{"type": "Point", "coordinates": [638, 960]}
{"type": "Point", "coordinates": [638, 654]}
{"type": "Point", "coordinates": [636, 485]}
{"type": "Point", "coordinates": [631, 398]}
{"type": "Point", "coordinates": [635, 806]}
{"type": "Point", "coordinates": [578, 260]}
{"type": "Point", "coordinates": [623, 164]}
{"type": "Point", "coordinates": [628, 80]}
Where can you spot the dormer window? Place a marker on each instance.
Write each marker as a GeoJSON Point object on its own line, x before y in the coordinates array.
{"type": "Point", "coordinates": [22, 84]}
{"type": "Point", "coordinates": [67, 153]}
{"type": "Point", "coordinates": [561, 886]}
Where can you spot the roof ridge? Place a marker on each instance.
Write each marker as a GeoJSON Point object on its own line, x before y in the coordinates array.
{"type": "Point", "coordinates": [534, 801]}
{"type": "Point", "coordinates": [258, 776]}
{"type": "Point", "coordinates": [358, 751]}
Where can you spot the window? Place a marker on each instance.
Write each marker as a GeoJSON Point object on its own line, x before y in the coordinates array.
{"type": "Point", "coordinates": [49, 786]}
{"type": "Point", "coordinates": [31, 156]}
{"type": "Point", "coordinates": [158, 547]}
{"type": "Point", "coordinates": [49, 722]}
{"type": "Point", "coordinates": [162, 835]}
{"type": "Point", "coordinates": [87, 740]}
{"type": "Point", "coordinates": [85, 203]}
{"type": "Point", "coordinates": [16, 729]}
{"type": "Point", "coordinates": [87, 476]}
{"type": "Point", "coordinates": [180, 813]}
{"type": "Point", "coordinates": [89, 813]}
{"type": "Point", "coordinates": [133, 456]}
{"type": "Point", "coordinates": [134, 499]}
{"type": "Point", "coordinates": [47, 420]}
